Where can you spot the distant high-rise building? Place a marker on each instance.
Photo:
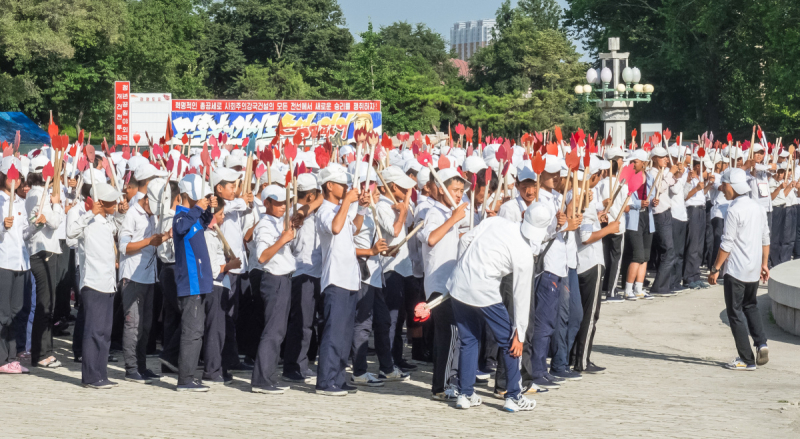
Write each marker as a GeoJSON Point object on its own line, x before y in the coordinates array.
{"type": "Point", "coordinates": [466, 37]}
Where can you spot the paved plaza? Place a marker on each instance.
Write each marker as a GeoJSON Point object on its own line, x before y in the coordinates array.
{"type": "Point", "coordinates": [664, 379]}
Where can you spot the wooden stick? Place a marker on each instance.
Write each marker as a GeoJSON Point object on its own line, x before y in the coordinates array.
{"type": "Point", "coordinates": [225, 247]}
{"type": "Point", "coordinates": [286, 214]}
{"type": "Point", "coordinates": [564, 195]}
{"type": "Point", "coordinates": [472, 208]}
{"type": "Point", "coordinates": [655, 182]}
{"type": "Point", "coordinates": [11, 203]}
{"type": "Point", "coordinates": [622, 211]}
{"type": "Point", "coordinates": [453, 204]}
{"type": "Point", "coordinates": [752, 142]}
{"type": "Point", "coordinates": [44, 195]}
{"type": "Point", "coordinates": [485, 204]}
{"type": "Point", "coordinates": [501, 178]}
{"type": "Point", "coordinates": [405, 240]}
{"type": "Point", "coordinates": [386, 187]}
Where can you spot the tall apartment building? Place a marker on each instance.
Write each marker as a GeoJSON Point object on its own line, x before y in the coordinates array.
{"type": "Point", "coordinates": [466, 37]}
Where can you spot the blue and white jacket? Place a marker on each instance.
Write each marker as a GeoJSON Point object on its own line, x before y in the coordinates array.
{"type": "Point", "coordinates": [192, 264]}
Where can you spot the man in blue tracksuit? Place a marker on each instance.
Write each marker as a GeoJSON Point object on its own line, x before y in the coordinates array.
{"type": "Point", "coordinates": [192, 274]}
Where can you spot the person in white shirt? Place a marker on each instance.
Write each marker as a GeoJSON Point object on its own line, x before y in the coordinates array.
{"type": "Point", "coordinates": [590, 270]}
{"type": "Point", "coordinates": [663, 239]}
{"type": "Point", "coordinates": [439, 238]}
{"type": "Point", "coordinates": [495, 249]}
{"type": "Point", "coordinates": [368, 250]}
{"type": "Point", "coordinates": [237, 207]}
{"type": "Point", "coordinates": [640, 228]}
{"type": "Point", "coordinates": [43, 247]}
{"type": "Point", "coordinates": [401, 293]}
{"type": "Point", "coordinates": [273, 246]}
{"type": "Point", "coordinates": [14, 263]}
{"type": "Point", "coordinates": [169, 194]}
{"type": "Point", "coordinates": [214, 371]}
{"type": "Point", "coordinates": [336, 225]}
{"type": "Point", "coordinates": [719, 207]}
{"type": "Point", "coordinates": [95, 232]}
{"type": "Point", "coordinates": [614, 244]}
{"type": "Point", "coordinates": [138, 240]}
{"type": "Point", "coordinates": [790, 227]}
{"type": "Point", "coordinates": [695, 191]}
{"type": "Point", "coordinates": [745, 253]}
{"type": "Point", "coordinates": [778, 188]}
{"type": "Point", "coordinates": [305, 283]}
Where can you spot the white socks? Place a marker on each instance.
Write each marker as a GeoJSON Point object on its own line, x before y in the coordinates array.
{"type": "Point", "coordinates": [628, 288]}
{"type": "Point", "coordinates": [638, 288]}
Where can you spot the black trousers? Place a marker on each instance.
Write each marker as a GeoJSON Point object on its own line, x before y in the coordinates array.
{"type": "Point", "coordinates": [44, 266]}
{"type": "Point", "coordinates": [679, 246]}
{"type": "Point", "coordinates": [23, 315]}
{"type": "Point", "coordinates": [445, 346]}
{"type": "Point", "coordinates": [305, 294]}
{"type": "Point", "coordinates": [334, 348]}
{"type": "Point", "coordinates": [381, 323]}
{"type": "Point", "coordinates": [708, 246]}
{"type": "Point", "coordinates": [612, 255]}
{"type": "Point", "coordinates": [695, 239]}
{"type": "Point", "coordinates": [80, 320]}
{"type": "Point", "coordinates": [193, 315]}
{"type": "Point", "coordinates": [64, 281]}
{"type": "Point", "coordinates": [171, 313]}
{"type": "Point", "coordinates": [251, 316]}
{"type": "Point", "coordinates": [718, 226]}
{"type": "Point", "coordinates": [398, 291]}
{"type": "Point", "coordinates": [664, 240]}
{"type": "Point", "coordinates": [276, 293]}
{"type": "Point", "coordinates": [213, 333]}
{"type": "Point", "coordinates": [230, 305]}
{"type": "Point", "coordinates": [590, 281]}
{"type": "Point", "coordinates": [796, 251]}
{"type": "Point", "coordinates": [776, 235]}
{"type": "Point", "coordinates": [741, 305]}
{"type": "Point", "coordinates": [362, 328]}
{"type": "Point", "coordinates": [11, 295]}
{"type": "Point", "coordinates": [157, 328]}
{"type": "Point", "coordinates": [99, 313]}
{"type": "Point", "coordinates": [789, 227]}
{"type": "Point", "coordinates": [137, 303]}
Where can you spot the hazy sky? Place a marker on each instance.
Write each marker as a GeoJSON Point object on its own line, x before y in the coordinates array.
{"type": "Point", "coordinates": [439, 15]}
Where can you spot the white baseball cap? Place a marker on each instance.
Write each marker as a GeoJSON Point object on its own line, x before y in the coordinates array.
{"type": "Point", "coordinates": [447, 174]}
{"type": "Point", "coordinates": [274, 192]}
{"type": "Point", "coordinates": [235, 160]}
{"type": "Point", "coordinates": [306, 182]}
{"type": "Point", "coordinates": [474, 164]}
{"type": "Point", "coordinates": [223, 174]}
{"type": "Point", "coordinates": [99, 176]}
{"type": "Point", "coordinates": [192, 185]}
{"type": "Point", "coordinates": [395, 175]}
{"type": "Point", "coordinates": [146, 170]}
{"type": "Point", "coordinates": [8, 161]}
{"type": "Point", "coordinates": [526, 173]}
{"type": "Point", "coordinates": [39, 162]}
{"type": "Point", "coordinates": [423, 177]}
{"type": "Point", "coordinates": [106, 192]}
{"type": "Point", "coordinates": [410, 165]}
{"type": "Point", "coordinates": [158, 192]}
{"type": "Point", "coordinates": [552, 164]}
{"type": "Point", "coordinates": [537, 219]}
{"type": "Point", "coordinates": [637, 154]}
{"type": "Point", "coordinates": [615, 152]}
{"type": "Point", "coordinates": [658, 151]}
{"type": "Point", "coordinates": [334, 173]}
{"type": "Point", "coordinates": [737, 178]}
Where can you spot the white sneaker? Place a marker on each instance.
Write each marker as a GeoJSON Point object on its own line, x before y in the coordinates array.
{"type": "Point", "coordinates": [394, 375]}
{"type": "Point", "coordinates": [367, 379]}
{"type": "Point", "coordinates": [450, 393]}
{"type": "Point", "coordinates": [465, 402]}
{"type": "Point", "coordinates": [630, 296]}
{"type": "Point", "coordinates": [520, 404]}
{"type": "Point", "coordinates": [482, 375]}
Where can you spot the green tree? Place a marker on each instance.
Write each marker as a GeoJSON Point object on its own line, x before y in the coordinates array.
{"type": "Point", "coordinates": [273, 81]}
{"type": "Point", "coordinates": [531, 69]}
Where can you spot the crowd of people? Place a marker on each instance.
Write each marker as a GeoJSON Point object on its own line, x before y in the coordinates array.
{"type": "Point", "coordinates": [491, 258]}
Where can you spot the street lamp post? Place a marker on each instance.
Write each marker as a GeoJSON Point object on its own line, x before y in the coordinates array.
{"type": "Point", "coordinates": [619, 90]}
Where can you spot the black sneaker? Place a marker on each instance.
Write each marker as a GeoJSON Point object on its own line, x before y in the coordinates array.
{"type": "Point", "coordinates": [405, 366]}
{"type": "Point", "coordinates": [268, 390]}
{"type": "Point", "coordinates": [349, 388]}
{"type": "Point", "coordinates": [668, 293]}
{"type": "Point", "coordinates": [545, 383]}
{"type": "Point", "coordinates": [102, 384]}
{"type": "Point", "coordinates": [295, 377]}
{"type": "Point", "coordinates": [78, 360]}
{"type": "Point", "coordinates": [149, 374]}
{"type": "Point", "coordinates": [113, 383]}
{"type": "Point", "coordinates": [168, 365]}
{"type": "Point", "coordinates": [112, 359]}
{"type": "Point", "coordinates": [332, 391]}
{"type": "Point", "coordinates": [242, 367]}
{"type": "Point", "coordinates": [136, 377]}
{"type": "Point", "coordinates": [568, 374]}
{"type": "Point", "coordinates": [213, 381]}
{"type": "Point", "coordinates": [593, 368]}
{"type": "Point", "coordinates": [193, 386]}
{"type": "Point", "coordinates": [553, 378]}
{"type": "Point", "coordinates": [309, 373]}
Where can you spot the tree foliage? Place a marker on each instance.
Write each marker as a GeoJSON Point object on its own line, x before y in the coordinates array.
{"type": "Point", "coordinates": [719, 65]}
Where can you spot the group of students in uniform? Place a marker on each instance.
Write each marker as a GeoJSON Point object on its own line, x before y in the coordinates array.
{"type": "Point", "coordinates": [485, 271]}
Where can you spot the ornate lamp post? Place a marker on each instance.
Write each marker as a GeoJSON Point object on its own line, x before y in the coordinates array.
{"type": "Point", "coordinates": [619, 90]}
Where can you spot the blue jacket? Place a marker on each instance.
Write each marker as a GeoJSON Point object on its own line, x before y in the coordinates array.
{"type": "Point", "coordinates": [192, 263]}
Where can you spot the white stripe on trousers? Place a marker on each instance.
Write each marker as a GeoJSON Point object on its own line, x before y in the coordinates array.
{"type": "Point", "coordinates": [454, 348]}
{"type": "Point", "coordinates": [595, 304]}
{"type": "Point", "coordinates": [613, 291]}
